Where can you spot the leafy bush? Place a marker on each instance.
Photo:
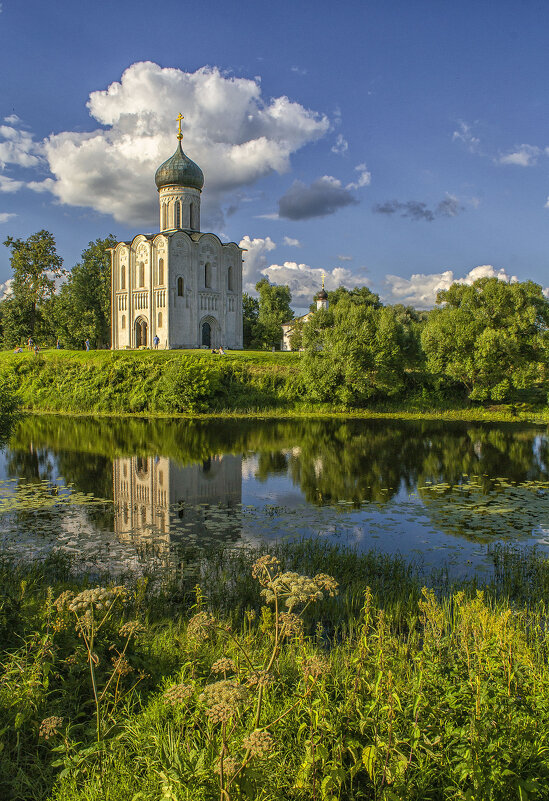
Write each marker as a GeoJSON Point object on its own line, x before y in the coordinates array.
{"type": "Point", "coordinates": [357, 359]}
{"type": "Point", "coordinates": [9, 403]}
{"type": "Point", "coordinates": [189, 385]}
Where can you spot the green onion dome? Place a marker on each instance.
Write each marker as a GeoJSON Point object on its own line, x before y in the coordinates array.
{"type": "Point", "coordinates": [179, 170]}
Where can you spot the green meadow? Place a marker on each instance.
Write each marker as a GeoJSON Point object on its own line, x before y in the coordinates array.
{"type": "Point", "coordinates": [304, 672]}
{"type": "Point", "coordinates": [201, 383]}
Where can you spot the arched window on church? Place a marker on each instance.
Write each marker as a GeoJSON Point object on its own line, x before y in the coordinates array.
{"type": "Point", "coordinates": [164, 217]}
{"type": "Point", "coordinates": [159, 319]}
{"type": "Point", "coordinates": [180, 287]}
{"type": "Point", "coordinates": [123, 321]}
{"type": "Point", "coordinates": [230, 286]}
{"type": "Point", "coordinates": [141, 273]}
{"type": "Point", "coordinates": [123, 277]}
{"type": "Point", "coordinates": [207, 275]}
{"type": "Point", "coordinates": [161, 271]}
{"type": "Point", "coordinates": [191, 216]}
{"type": "Point", "coordinates": [177, 214]}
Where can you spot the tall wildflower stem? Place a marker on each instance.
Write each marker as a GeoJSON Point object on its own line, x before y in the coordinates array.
{"type": "Point", "coordinates": [89, 643]}
{"type": "Point", "coordinates": [269, 665]}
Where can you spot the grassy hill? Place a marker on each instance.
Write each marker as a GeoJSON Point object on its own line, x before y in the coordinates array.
{"type": "Point", "coordinates": [199, 382]}
{"type": "Point", "coordinates": [129, 382]}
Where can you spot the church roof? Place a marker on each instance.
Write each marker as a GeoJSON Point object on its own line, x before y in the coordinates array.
{"type": "Point", "coordinates": [179, 170]}
{"type": "Point", "coordinates": [195, 236]}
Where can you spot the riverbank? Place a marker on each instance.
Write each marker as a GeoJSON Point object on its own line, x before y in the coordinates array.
{"type": "Point", "coordinates": [201, 384]}
{"type": "Point", "coordinates": [391, 692]}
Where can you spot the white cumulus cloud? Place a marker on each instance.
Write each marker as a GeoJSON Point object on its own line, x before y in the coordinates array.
{"type": "Point", "coordinates": [255, 260]}
{"type": "Point", "coordinates": [9, 184]}
{"type": "Point", "coordinates": [18, 147]}
{"type": "Point", "coordinates": [421, 289]}
{"type": "Point", "coordinates": [523, 156]}
{"type": "Point", "coordinates": [231, 131]}
{"type": "Point", "coordinates": [364, 177]}
{"type": "Point", "coordinates": [305, 281]}
{"type": "Point", "coordinates": [292, 243]}
{"type": "Point", "coordinates": [5, 289]}
{"type": "Point", "coordinates": [5, 216]}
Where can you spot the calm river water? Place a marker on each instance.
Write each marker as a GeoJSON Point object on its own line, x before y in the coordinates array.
{"type": "Point", "coordinates": [131, 494]}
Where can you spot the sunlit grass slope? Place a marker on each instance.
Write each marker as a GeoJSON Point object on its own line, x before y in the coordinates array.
{"type": "Point", "coordinates": [153, 381]}
{"type": "Point", "coordinates": [199, 382]}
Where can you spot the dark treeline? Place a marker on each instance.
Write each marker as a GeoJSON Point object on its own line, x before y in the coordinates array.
{"type": "Point", "coordinates": [488, 341]}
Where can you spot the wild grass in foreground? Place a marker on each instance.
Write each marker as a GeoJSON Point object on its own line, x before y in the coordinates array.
{"type": "Point", "coordinates": [306, 672]}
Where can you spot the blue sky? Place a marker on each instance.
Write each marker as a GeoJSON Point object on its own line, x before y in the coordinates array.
{"type": "Point", "coordinates": [399, 144]}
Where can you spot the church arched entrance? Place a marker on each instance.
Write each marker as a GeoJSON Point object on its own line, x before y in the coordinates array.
{"type": "Point", "coordinates": [141, 332]}
{"type": "Point", "coordinates": [210, 332]}
{"type": "Point", "coordinates": [207, 335]}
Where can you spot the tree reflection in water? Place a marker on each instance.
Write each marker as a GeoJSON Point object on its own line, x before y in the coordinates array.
{"type": "Point", "coordinates": [331, 461]}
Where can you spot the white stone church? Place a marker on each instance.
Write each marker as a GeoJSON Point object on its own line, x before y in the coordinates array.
{"type": "Point", "coordinates": [180, 285]}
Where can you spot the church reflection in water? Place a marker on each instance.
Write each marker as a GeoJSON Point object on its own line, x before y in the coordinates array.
{"type": "Point", "coordinates": [158, 502]}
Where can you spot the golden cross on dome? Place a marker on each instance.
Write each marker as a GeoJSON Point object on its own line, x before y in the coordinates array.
{"type": "Point", "coordinates": [179, 118]}
{"type": "Point", "coordinates": [323, 276]}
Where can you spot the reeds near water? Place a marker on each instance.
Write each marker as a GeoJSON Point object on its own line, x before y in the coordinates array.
{"type": "Point", "coordinates": [397, 685]}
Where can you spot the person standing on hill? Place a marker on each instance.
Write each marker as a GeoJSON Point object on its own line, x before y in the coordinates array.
{"type": "Point", "coordinates": [156, 341]}
{"type": "Point", "coordinates": [87, 344]}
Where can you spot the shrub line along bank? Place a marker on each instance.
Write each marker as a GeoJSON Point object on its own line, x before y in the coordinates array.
{"type": "Point", "coordinates": [191, 383]}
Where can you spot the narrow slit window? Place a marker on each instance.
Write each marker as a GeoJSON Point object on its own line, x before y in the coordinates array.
{"type": "Point", "coordinates": [141, 273]}
{"type": "Point", "coordinates": [207, 275]}
{"type": "Point", "coordinates": [123, 321]}
{"type": "Point", "coordinates": [161, 271]}
{"type": "Point", "coordinates": [230, 279]}
{"type": "Point", "coordinates": [159, 319]}
{"type": "Point", "coordinates": [177, 213]}
{"type": "Point", "coordinates": [123, 277]}
{"type": "Point", "coordinates": [180, 287]}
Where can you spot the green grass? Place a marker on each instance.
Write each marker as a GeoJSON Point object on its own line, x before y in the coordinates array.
{"type": "Point", "coordinates": [392, 692]}
{"type": "Point", "coordinates": [191, 382]}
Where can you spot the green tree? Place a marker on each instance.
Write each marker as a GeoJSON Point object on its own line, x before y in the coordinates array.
{"type": "Point", "coordinates": [35, 264]}
{"type": "Point", "coordinates": [316, 328]}
{"type": "Point", "coordinates": [360, 357]}
{"type": "Point", "coordinates": [251, 328]}
{"type": "Point", "coordinates": [296, 337]}
{"type": "Point", "coordinates": [15, 322]}
{"type": "Point", "coordinates": [359, 296]}
{"type": "Point", "coordinates": [83, 307]}
{"type": "Point", "coordinates": [413, 323]}
{"type": "Point", "coordinates": [491, 336]}
{"type": "Point", "coordinates": [274, 309]}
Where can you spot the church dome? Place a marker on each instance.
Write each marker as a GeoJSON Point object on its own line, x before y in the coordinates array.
{"type": "Point", "coordinates": [322, 295]}
{"type": "Point", "coordinates": [179, 170]}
